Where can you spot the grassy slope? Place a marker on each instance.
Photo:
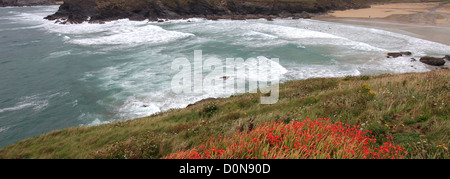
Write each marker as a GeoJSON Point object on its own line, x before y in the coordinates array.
{"type": "Point", "coordinates": [418, 101]}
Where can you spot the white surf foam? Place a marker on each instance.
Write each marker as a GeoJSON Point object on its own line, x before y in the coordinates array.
{"type": "Point", "coordinates": [27, 103]}
{"type": "Point", "coordinates": [357, 51]}
{"type": "Point", "coordinates": [119, 32]}
{"type": "Point", "coordinates": [97, 122]}
{"type": "Point", "coordinates": [59, 54]}
{"type": "Point", "coordinates": [37, 102]}
{"type": "Point", "coordinates": [320, 71]}
{"type": "Point", "coordinates": [4, 128]}
{"type": "Point", "coordinates": [147, 104]}
{"type": "Point", "coordinates": [141, 92]}
{"type": "Point", "coordinates": [381, 39]}
{"type": "Point", "coordinates": [17, 107]}
{"type": "Point", "coordinates": [393, 65]}
{"type": "Point", "coordinates": [178, 21]}
{"type": "Point", "coordinates": [260, 33]}
{"type": "Point", "coordinates": [148, 34]}
{"type": "Point", "coordinates": [290, 33]}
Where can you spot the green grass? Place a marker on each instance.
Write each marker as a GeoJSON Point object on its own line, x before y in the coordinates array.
{"type": "Point", "coordinates": [411, 107]}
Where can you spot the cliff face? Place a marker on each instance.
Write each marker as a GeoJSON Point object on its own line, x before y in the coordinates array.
{"type": "Point", "coordinates": [26, 2]}
{"type": "Point", "coordinates": [104, 10]}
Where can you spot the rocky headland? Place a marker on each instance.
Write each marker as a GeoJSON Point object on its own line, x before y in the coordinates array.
{"type": "Point", "coordinates": [77, 11]}
{"type": "Point", "coordinates": [29, 2]}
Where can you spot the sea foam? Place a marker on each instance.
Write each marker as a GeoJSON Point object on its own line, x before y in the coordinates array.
{"type": "Point", "coordinates": [141, 79]}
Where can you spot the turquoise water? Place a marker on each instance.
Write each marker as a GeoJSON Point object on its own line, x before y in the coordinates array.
{"type": "Point", "coordinates": [54, 76]}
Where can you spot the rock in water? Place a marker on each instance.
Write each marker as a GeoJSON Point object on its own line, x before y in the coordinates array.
{"type": "Point", "coordinates": [406, 53]}
{"type": "Point", "coordinates": [394, 55]}
{"type": "Point", "coordinates": [432, 61]}
{"type": "Point", "coordinates": [398, 54]}
{"type": "Point", "coordinates": [447, 57]}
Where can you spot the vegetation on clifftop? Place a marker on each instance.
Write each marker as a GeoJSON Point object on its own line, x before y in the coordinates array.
{"type": "Point", "coordinates": [412, 108]}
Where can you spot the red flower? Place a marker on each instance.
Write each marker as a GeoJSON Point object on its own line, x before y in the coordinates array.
{"type": "Point", "coordinates": [307, 139]}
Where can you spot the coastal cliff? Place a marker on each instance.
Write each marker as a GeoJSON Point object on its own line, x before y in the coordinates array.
{"type": "Point", "coordinates": [76, 11]}
{"type": "Point", "coordinates": [28, 2]}
{"type": "Point", "coordinates": [348, 100]}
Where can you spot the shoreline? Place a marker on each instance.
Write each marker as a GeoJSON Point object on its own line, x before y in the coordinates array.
{"type": "Point", "coordinates": [428, 21]}
{"type": "Point", "coordinates": [437, 33]}
{"type": "Point", "coordinates": [198, 105]}
{"type": "Point", "coordinates": [96, 11]}
{"type": "Point", "coordinates": [424, 20]}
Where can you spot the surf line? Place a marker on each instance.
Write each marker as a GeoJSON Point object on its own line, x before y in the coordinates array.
{"type": "Point", "coordinates": [258, 73]}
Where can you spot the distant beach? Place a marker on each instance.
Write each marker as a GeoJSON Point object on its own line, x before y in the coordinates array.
{"type": "Point", "coordinates": [429, 21]}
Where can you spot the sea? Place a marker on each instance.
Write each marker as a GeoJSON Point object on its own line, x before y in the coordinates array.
{"type": "Point", "coordinates": [54, 76]}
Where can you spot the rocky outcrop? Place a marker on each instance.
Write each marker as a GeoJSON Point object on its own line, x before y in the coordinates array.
{"type": "Point", "coordinates": [27, 2]}
{"type": "Point", "coordinates": [433, 61]}
{"type": "Point", "coordinates": [398, 54]}
{"type": "Point", "coordinates": [104, 10]}
{"type": "Point", "coordinates": [447, 57]}
{"type": "Point", "coordinates": [75, 11]}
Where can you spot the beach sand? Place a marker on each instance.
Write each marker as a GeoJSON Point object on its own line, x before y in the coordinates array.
{"type": "Point", "coordinates": [385, 10]}
{"type": "Point", "coordinates": [429, 21]}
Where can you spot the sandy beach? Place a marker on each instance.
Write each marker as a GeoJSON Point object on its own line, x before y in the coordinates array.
{"type": "Point", "coordinates": [430, 21]}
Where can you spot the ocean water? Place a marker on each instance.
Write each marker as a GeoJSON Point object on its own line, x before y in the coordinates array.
{"type": "Point", "coordinates": [55, 76]}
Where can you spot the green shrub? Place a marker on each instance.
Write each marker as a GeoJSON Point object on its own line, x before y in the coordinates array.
{"type": "Point", "coordinates": [209, 110]}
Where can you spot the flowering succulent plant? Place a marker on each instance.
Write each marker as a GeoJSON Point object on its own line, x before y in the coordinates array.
{"type": "Point", "coordinates": [309, 139]}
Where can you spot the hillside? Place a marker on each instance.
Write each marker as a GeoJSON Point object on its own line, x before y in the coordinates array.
{"type": "Point", "coordinates": [412, 108]}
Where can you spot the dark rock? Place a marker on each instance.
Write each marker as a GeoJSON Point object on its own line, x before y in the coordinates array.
{"type": "Point", "coordinates": [305, 15]}
{"type": "Point", "coordinates": [406, 53]}
{"type": "Point", "coordinates": [237, 17]}
{"type": "Point", "coordinates": [252, 16]}
{"type": "Point", "coordinates": [28, 2]}
{"type": "Point", "coordinates": [285, 14]}
{"type": "Point", "coordinates": [447, 57]}
{"type": "Point", "coordinates": [394, 55]}
{"type": "Point", "coordinates": [77, 11]}
{"type": "Point", "coordinates": [413, 60]}
{"type": "Point", "coordinates": [398, 54]}
{"type": "Point", "coordinates": [160, 20]}
{"type": "Point", "coordinates": [153, 19]}
{"type": "Point", "coordinates": [432, 61]}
